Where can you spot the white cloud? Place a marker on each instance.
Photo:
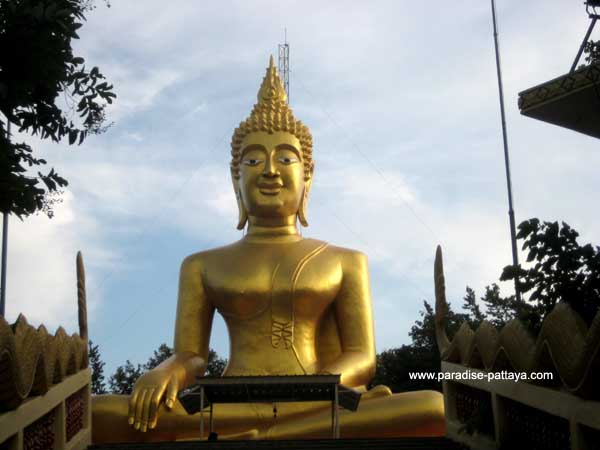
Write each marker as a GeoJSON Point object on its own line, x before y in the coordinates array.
{"type": "Point", "coordinates": [138, 87]}
{"type": "Point", "coordinates": [41, 276]}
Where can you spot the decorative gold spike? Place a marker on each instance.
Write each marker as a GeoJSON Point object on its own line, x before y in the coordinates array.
{"type": "Point", "coordinates": [271, 89]}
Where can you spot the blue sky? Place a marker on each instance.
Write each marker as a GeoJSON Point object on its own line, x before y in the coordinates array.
{"type": "Point", "coordinates": [401, 99]}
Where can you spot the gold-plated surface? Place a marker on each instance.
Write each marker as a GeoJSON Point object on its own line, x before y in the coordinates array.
{"type": "Point", "coordinates": [291, 305]}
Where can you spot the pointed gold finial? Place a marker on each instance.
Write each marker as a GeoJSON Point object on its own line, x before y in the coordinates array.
{"type": "Point", "coordinates": [271, 89]}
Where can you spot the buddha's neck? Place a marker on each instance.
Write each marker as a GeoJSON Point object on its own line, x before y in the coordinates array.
{"type": "Point", "coordinates": [272, 229]}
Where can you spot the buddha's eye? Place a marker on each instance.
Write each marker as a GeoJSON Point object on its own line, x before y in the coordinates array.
{"type": "Point", "coordinates": [288, 160]}
{"type": "Point", "coordinates": [252, 162]}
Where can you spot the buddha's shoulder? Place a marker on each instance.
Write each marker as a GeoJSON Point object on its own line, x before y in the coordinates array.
{"type": "Point", "coordinates": [204, 257]}
{"type": "Point", "coordinates": [346, 256]}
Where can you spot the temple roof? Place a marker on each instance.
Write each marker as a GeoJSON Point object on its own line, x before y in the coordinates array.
{"type": "Point", "coordinates": [570, 101]}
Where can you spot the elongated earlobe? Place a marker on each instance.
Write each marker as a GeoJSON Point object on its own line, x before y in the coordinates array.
{"type": "Point", "coordinates": [242, 213]}
{"type": "Point", "coordinates": [302, 208]}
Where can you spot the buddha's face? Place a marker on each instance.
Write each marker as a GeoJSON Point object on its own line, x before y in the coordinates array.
{"type": "Point", "coordinates": [271, 179]}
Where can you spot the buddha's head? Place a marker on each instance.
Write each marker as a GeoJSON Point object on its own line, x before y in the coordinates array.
{"type": "Point", "coordinates": [271, 157]}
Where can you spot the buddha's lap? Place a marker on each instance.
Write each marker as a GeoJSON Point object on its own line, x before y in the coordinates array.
{"type": "Point", "coordinates": [377, 405]}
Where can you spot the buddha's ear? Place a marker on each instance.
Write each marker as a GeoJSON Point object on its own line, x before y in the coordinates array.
{"type": "Point", "coordinates": [242, 213]}
{"type": "Point", "coordinates": [304, 203]}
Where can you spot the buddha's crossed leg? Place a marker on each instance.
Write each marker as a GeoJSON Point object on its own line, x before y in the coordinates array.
{"type": "Point", "coordinates": [380, 414]}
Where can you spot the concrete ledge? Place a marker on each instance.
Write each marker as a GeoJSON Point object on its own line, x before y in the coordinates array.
{"type": "Point", "coordinates": [581, 417]}
{"type": "Point", "coordinates": [13, 423]}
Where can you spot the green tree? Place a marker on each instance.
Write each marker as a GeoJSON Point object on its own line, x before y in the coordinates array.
{"type": "Point", "coordinates": [46, 91]}
{"type": "Point", "coordinates": [163, 352]}
{"type": "Point", "coordinates": [563, 270]}
{"type": "Point", "coordinates": [592, 51]}
{"type": "Point", "coordinates": [475, 316]}
{"type": "Point", "coordinates": [499, 310]}
{"type": "Point", "coordinates": [97, 366]}
{"type": "Point", "coordinates": [394, 365]}
{"type": "Point", "coordinates": [122, 381]}
{"type": "Point", "coordinates": [423, 330]}
{"type": "Point", "coordinates": [216, 365]}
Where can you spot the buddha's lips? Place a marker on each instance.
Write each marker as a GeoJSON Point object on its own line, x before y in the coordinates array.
{"type": "Point", "coordinates": [270, 188]}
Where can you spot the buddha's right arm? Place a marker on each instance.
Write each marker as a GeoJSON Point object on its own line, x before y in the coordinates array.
{"type": "Point", "coordinates": [192, 334]}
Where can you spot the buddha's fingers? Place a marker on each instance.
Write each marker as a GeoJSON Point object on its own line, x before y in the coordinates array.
{"type": "Point", "coordinates": [146, 409]}
{"type": "Point", "coordinates": [139, 407]}
{"type": "Point", "coordinates": [154, 402]}
{"type": "Point", "coordinates": [172, 389]}
{"type": "Point", "coordinates": [132, 402]}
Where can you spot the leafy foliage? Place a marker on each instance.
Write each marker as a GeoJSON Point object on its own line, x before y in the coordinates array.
{"type": "Point", "coordinates": [563, 270]}
{"type": "Point", "coordinates": [216, 365]}
{"type": "Point", "coordinates": [97, 366]}
{"type": "Point", "coordinates": [592, 51]}
{"type": "Point", "coordinates": [163, 352]}
{"type": "Point", "coordinates": [394, 365]}
{"type": "Point", "coordinates": [42, 87]}
{"type": "Point", "coordinates": [474, 314]}
{"type": "Point", "coordinates": [122, 381]}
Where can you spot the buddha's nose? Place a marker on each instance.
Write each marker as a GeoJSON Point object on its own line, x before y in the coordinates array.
{"type": "Point", "coordinates": [270, 168]}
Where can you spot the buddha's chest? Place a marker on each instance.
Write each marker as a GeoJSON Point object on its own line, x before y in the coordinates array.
{"type": "Point", "coordinates": [279, 282]}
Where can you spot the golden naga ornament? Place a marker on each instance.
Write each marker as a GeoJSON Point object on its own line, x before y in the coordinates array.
{"type": "Point", "coordinates": [292, 306]}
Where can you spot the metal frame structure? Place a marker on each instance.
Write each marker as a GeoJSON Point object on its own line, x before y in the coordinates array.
{"type": "Point", "coordinates": [4, 243]}
{"type": "Point", "coordinates": [269, 389]}
{"type": "Point", "coordinates": [283, 64]}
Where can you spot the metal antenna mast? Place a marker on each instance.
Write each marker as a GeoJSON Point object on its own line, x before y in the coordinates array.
{"type": "Point", "coordinates": [511, 213]}
{"type": "Point", "coordinates": [4, 242]}
{"type": "Point", "coordinates": [284, 64]}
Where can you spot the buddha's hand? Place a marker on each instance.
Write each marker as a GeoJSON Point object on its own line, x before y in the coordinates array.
{"type": "Point", "coordinates": [150, 389]}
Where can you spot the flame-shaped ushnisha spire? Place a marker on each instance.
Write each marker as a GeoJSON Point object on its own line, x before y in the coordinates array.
{"type": "Point", "coordinates": [270, 114]}
{"type": "Point", "coordinates": [272, 90]}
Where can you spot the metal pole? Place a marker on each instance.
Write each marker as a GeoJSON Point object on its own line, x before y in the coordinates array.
{"type": "Point", "coordinates": [511, 213]}
{"type": "Point", "coordinates": [585, 40]}
{"type": "Point", "coordinates": [337, 412]}
{"type": "Point", "coordinates": [202, 413]}
{"type": "Point", "coordinates": [333, 418]}
{"type": "Point", "coordinates": [4, 243]}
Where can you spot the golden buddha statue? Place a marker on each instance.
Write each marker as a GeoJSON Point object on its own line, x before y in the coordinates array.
{"type": "Point", "coordinates": [292, 306]}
